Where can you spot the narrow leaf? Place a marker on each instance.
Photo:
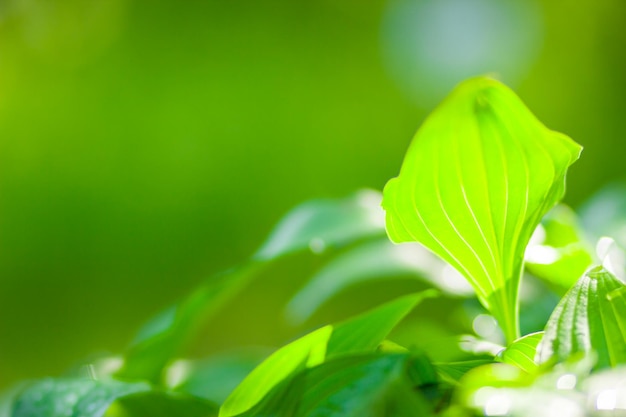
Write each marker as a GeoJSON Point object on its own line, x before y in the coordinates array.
{"type": "Point", "coordinates": [352, 386]}
{"type": "Point", "coordinates": [308, 350]}
{"type": "Point", "coordinates": [366, 331]}
{"type": "Point", "coordinates": [360, 334]}
{"type": "Point", "coordinates": [480, 174]}
{"type": "Point", "coordinates": [522, 352]}
{"type": "Point", "coordinates": [586, 320]}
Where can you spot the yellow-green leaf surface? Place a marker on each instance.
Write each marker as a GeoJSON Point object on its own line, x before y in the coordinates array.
{"type": "Point", "coordinates": [558, 253]}
{"type": "Point", "coordinates": [360, 334]}
{"type": "Point", "coordinates": [590, 317]}
{"type": "Point", "coordinates": [480, 174]}
{"type": "Point", "coordinates": [522, 352]}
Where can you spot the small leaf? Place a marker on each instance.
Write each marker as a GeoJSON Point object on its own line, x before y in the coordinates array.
{"type": "Point", "coordinates": [320, 224]}
{"type": "Point", "coordinates": [480, 174]}
{"type": "Point", "coordinates": [587, 321]}
{"type": "Point", "coordinates": [71, 397]}
{"type": "Point", "coordinates": [315, 225]}
{"type": "Point", "coordinates": [306, 351]}
{"type": "Point", "coordinates": [161, 404]}
{"type": "Point", "coordinates": [167, 334]}
{"type": "Point", "coordinates": [360, 334]}
{"type": "Point", "coordinates": [375, 260]}
{"type": "Point", "coordinates": [522, 352]}
{"type": "Point", "coordinates": [352, 386]}
{"type": "Point", "coordinates": [561, 255]}
{"type": "Point", "coordinates": [216, 377]}
{"type": "Point", "coordinates": [452, 372]}
{"type": "Point", "coordinates": [366, 331]}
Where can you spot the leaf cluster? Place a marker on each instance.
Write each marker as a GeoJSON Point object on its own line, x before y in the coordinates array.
{"type": "Point", "coordinates": [505, 309]}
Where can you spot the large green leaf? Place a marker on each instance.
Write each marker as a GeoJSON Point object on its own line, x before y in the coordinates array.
{"type": "Point", "coordinates": [360, 334]}
{"type": "Point", "coordinates": [587, 320]}
{"type": "Point", "coordinates": [71, 397]}
{"type": "Point", "coordinates": [478, 177]}
{"type": "Point", "coordinates": [354, 386]}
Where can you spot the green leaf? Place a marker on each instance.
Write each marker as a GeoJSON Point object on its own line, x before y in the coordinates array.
{"type": "Point", "coordinates": [167, 334]}
{"type": "Point", "coordinates": [161, 404]}
{"type": "Point", "coordinates": [71, 397]}
{"type": "Point", "coordinates": [605, 213]}
{"type": "Point", "coordinates": [306, 351]}
{"type": "Point", "coordinates": [320, 224]}
{"type": "Point", "coordinates": [375, 260]}
{"type": "Point", "coordinates": [216, 377]}
{"type": "Point", "coordinates": [479, 176]}
{"type": "Point", "coordinates": [353, 386]}
{"type": "Point", "coordinates": [587, 320]}
{"type": "Point", "coordinates": [315, 225]}
{"type": "Point", "coordinates": [452, 372]}
{"type": "Point", "coordinates": [522, 352]}
{"type": "Point", "coordinates": [360, 334]}
{"type": "Point", "coordinates": [560, 255]}
{"type": "Point", "coordinates": [366, 331]}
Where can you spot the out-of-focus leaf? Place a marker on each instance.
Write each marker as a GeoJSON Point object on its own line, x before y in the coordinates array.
{"type": "Point", "coordinates": [507, 391]}
{"type": "Point", "coordinates": [376, 260]}
{"type": "Point", "coordinates": [352, 386]}
{"type": "Point", "coordinates": [309, 350]}
{"type": "Point", "coordinates": [605, 213]}
{"type": "Point", "coordinates": [216, 377]}
{"type": "Point", "coordinates": [167, 334]}
{"type": "Point", "coordinates": [587, 321]}
{"type": "Point", "coordinates": [71, 397]}
{"type": "Point", "coordinates": [480, 174]}
{"type": "Point", "coordinates": [161, 404]}
{"type": "Point", "coordinates": [314, 225]}
{"type": "Point", "coordinates": [607, 391]}
{"type": "Point", "coordinates": [557, 252]}
{"type": "Point", "coordinates": [522, 352]}
{"type": "Point", "coordinates": [366, 331]}
{"type": "Point", "coordinates": [360, 334]}
{"type": "Point", "coordinates": [7, 397]}
{"type": "Point", "coordinates": [452, 372]}
{"type": "Point", "coordinates": [320, 224]}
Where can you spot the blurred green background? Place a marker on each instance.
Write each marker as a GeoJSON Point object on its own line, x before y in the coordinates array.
{"type": "Point", "coordinates": [147, 144]}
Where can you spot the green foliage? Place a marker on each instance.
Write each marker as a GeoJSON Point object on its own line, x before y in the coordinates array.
{"type": "Point", "coordinates": [478, 181]}
{"type": "Point", "coordinates": [361, 334]}
{"type": "Point", "coordinates": [480, 174]}
{"type": "Point", "coordinates": [586, 321]}
{"type": "Point", "coordinates": [353, 386]}
{"type": "Point", "coordinates": [561, 256]}
{"type": "Point", "coordinates": [71, 397]}
{"type": "Point", "coordinates": [522, 352]}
